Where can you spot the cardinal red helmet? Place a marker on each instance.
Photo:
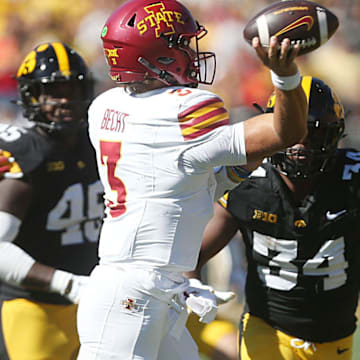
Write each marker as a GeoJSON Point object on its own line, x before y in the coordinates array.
{"type": "Point", "coordinates": [147, 39]}
{"type": "Point", "coordinates": [326, 126]}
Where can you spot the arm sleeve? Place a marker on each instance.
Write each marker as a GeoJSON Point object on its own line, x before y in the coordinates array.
{"type": "Point", "coordinates": [15, 263]}
{"type": "Point", "coordinates": [225, 146]}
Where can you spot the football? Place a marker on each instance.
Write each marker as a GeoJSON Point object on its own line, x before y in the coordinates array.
{"type": "Point", "coordinates": [304, 22]}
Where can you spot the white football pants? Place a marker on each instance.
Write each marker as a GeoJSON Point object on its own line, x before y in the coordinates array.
{"type": "Point", "coordinates": [126, 314]}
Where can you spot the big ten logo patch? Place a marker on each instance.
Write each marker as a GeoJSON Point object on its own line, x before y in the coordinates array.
{"type": "Point", "coordinates": [111, 55]}
{"type": "Point", "coordinates": [264, 216]}
{"type": "Point", "coordinates": [55, 166]}
{"type": "Point", "coordinates": [160, 19]}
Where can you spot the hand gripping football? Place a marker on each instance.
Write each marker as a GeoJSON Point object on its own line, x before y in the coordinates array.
{"type": "Point", "coordinates": [304, 22]}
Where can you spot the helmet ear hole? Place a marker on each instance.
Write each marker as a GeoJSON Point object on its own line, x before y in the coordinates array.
{"type": "Point", "coordinates": [165, 60]}
{"type": "Point", "coordinates": [131, 22]}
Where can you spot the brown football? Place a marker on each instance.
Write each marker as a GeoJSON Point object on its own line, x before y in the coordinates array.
{"type": "Point", "coordinates": [304, 22]}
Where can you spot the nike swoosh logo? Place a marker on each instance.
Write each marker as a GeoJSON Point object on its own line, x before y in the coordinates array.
{"type": "Point", "coordinates": [340, 351]}
{"type": "Point", "coordinates": [305, 20]}
{"type": "Point", "coordinates": [331, 216]}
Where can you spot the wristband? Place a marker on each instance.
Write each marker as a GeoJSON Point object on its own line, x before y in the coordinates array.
{"type": "Point", "coordinates": [61, 282]}
{"type": "Point", "coordinates": [285, 82]}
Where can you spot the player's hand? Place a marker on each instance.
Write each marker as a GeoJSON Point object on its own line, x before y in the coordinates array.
{"type": "Point", "coordinates": [203, 300]}
{"type": "Point", "coordinates": [69, 285]}
{"type": "Point", "coordinates": [280, 60]}
{"type": "Point", "coordinates": [222, 297]}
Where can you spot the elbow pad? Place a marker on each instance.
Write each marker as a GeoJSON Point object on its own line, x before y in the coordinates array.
{"type": "Point", "coordinates": [228, 177]}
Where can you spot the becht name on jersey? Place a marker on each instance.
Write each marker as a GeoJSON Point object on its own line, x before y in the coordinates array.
{"type": "Point", "coordinates": [114, 120]}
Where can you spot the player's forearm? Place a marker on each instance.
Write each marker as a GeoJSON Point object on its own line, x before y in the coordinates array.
{"type": "Point", "coordinates": [290, 116]}
{"type": "Point", "coordinates": [39, 277]}
{"type": "Point", "coordinates": [212, 243]}
{"type": "Point", "coordinates": [20, 269]}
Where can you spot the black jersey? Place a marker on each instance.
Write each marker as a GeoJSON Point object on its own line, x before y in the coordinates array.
{"type": "Point", "coordinates": [303, 261]}
{"type": "Point", "coordinates": [62, 224]}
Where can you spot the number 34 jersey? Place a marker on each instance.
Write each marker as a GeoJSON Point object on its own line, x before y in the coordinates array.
{"type": "Point", "coordinates": [62, 224]}
{"type": "Point", "coordinates": [303, 261]}
{"type": "Point", "coordinates": [156, 153]}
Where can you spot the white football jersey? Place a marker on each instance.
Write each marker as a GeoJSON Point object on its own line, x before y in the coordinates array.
{"type": "Point", "coordinates": [155, 154]}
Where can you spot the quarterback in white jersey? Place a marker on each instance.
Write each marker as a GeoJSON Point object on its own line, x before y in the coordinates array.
{"type": "Point", "coordinates": [156, 167]}
{"type": "Point", "coordinates": [157, 139]}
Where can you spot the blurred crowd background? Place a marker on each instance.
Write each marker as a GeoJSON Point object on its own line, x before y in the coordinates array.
{"type": "Point", "coordinates": [240, 79]}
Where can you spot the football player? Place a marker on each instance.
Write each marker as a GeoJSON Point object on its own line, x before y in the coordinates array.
{"type": "Point", "coordinates": [299, 215]}
{"type": "Point", "coordinates": [50, 206]}
{"type": "Point", "coordinates": [157, 138]}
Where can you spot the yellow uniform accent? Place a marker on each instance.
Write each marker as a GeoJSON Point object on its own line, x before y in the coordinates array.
{"type": "Point", "coordinates": [233, 175]}
{"type": "Point", "coordinates": [306, 85]}
{"type": "Point", "coordinates": [39, 331]}
{"type": "Point", "coordinates": [62, 57]}
{"type": "Point", "coordinates": [223, 200]}
{"type": "Point", "coordinates": [306, 82]}
{"type": "Point", "coordinates": [207, 336]}
{"type": "Point", "coordinates": [14, 166]}
{"type": "Point", "coordinates": [42, 47]}
{"type": "Point", "coordinates": [260, 341]}
{"type": "Point", "coordinates": [205, 124]}
{"type": "Point", "coordinates": [202, 111]}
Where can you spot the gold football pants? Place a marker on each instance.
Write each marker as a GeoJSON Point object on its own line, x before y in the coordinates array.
{"type": "Point", "coordinates": [260, 341]}
{"type": "Point", "coordinates": [209, 336]}
{"type": "Point", "coordinates": [39, 331]}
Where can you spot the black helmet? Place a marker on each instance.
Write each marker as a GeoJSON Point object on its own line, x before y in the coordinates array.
{"type": "Point", "coordinates": [53, 63]}
{"type": "Point", "coordinates": [325, 129]}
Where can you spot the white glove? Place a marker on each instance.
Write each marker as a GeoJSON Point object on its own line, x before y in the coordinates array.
{"type": "Point", "coordinates": [222, 297]}
{"type": "Point", "coordinates": [68, 285]}
{"type": "Point", "coordinates": [201, 300]}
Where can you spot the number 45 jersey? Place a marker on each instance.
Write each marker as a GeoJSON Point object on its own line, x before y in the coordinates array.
{"type": "Point", "coordinates": [62, 224]}
{"type": "Point", "coordinates": [303, 260]}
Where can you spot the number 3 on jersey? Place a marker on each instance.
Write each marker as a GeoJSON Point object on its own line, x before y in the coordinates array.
{"type": "Point", "coordinates": [110, 156]}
